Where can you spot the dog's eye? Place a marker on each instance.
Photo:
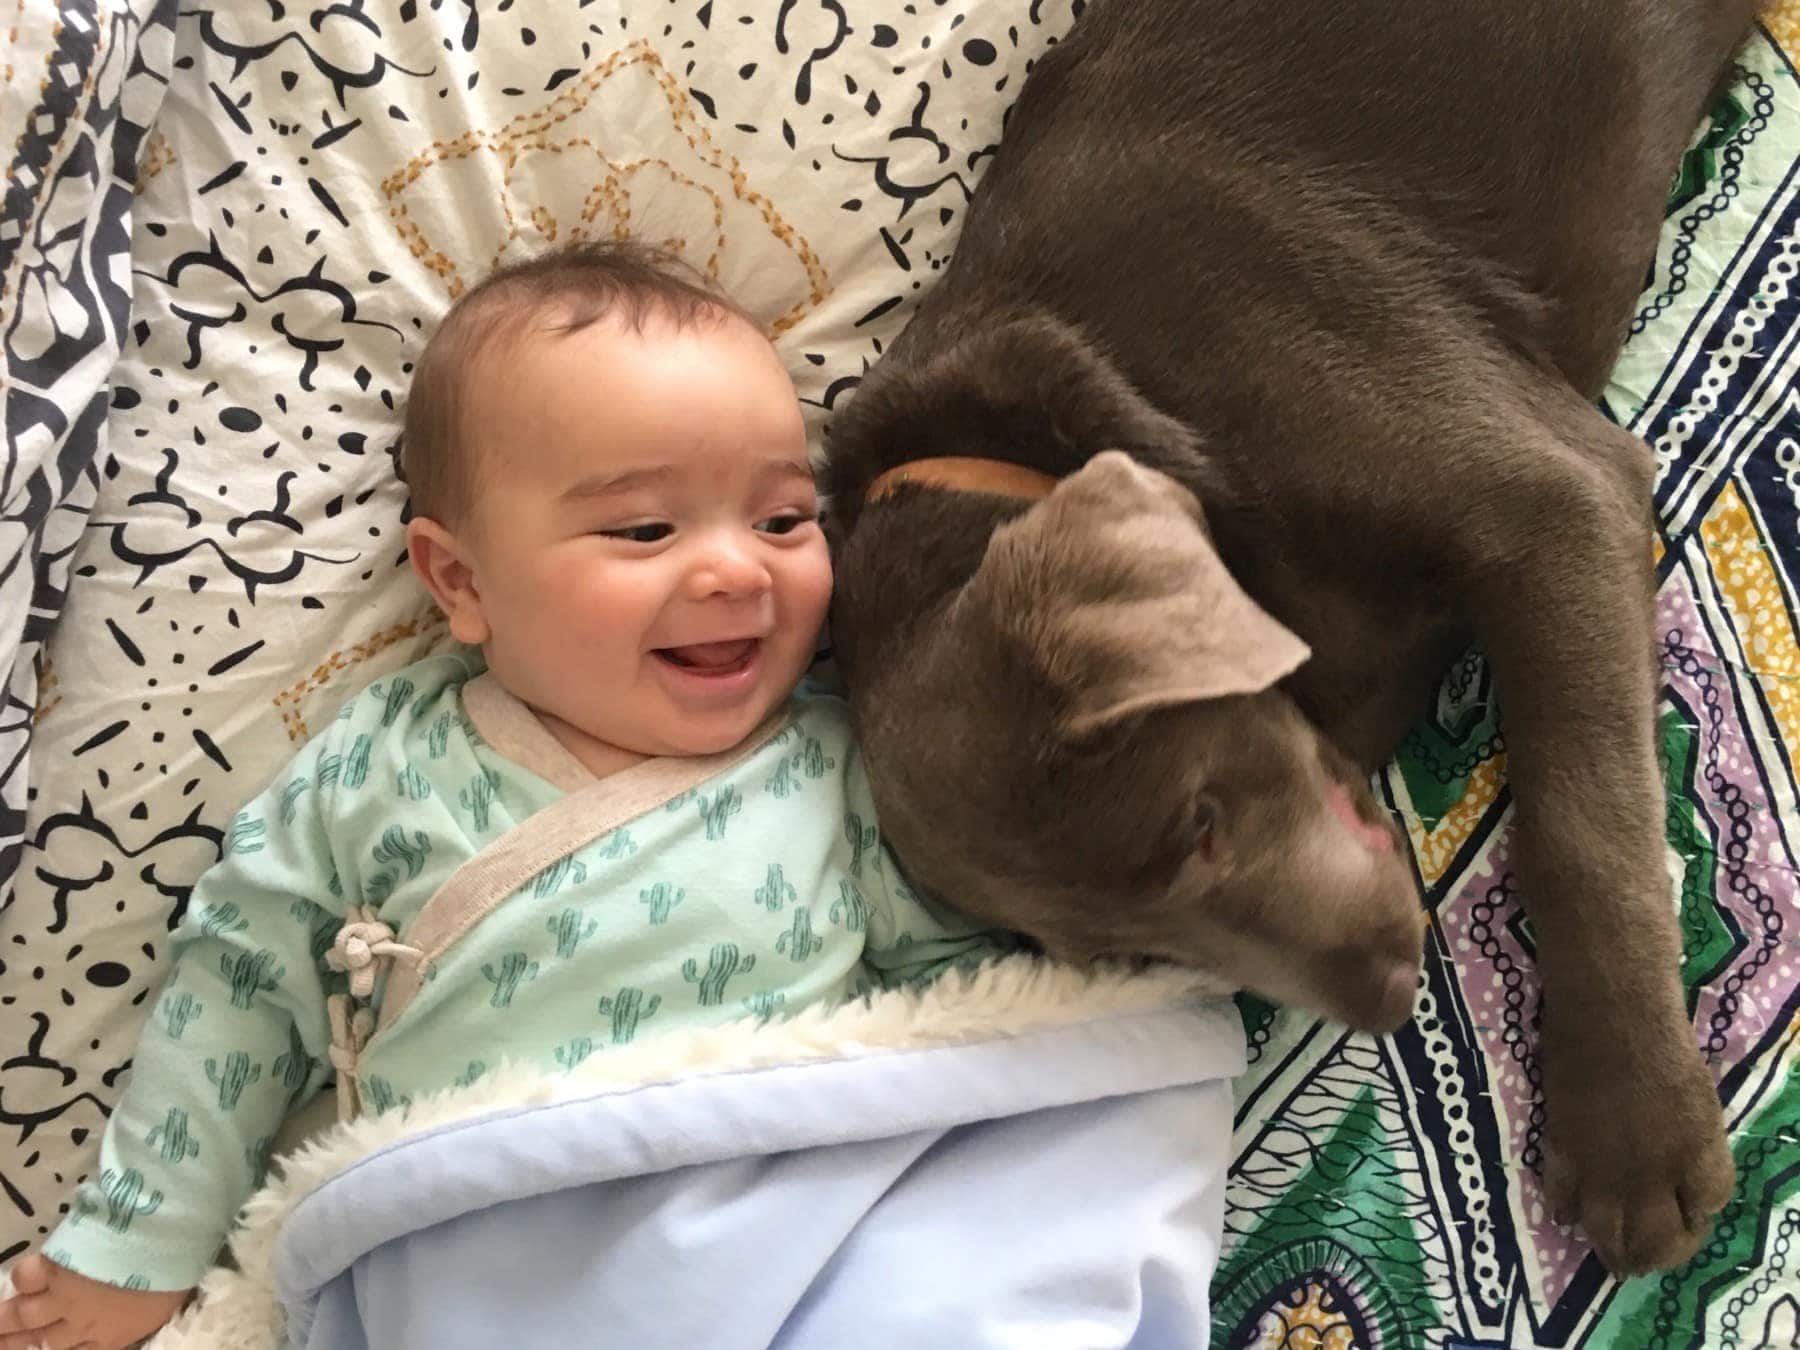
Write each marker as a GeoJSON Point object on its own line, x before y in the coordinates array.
{"type": "Point", "coordinates": [1206, 826]}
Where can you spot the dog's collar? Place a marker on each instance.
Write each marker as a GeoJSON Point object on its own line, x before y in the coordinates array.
{"type": "Point", "coordinates": [965, 473]}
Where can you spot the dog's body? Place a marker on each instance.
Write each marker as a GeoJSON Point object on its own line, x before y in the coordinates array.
{"type": "Point", "coordinates": [1352, 276]}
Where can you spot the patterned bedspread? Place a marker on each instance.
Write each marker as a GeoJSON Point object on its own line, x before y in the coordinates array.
{"type": "Point", "coordinates": [1384, 1192]}
{"type": "Point", "coordinates": [293, 192]}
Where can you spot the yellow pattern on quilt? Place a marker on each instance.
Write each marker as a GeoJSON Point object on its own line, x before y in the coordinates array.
{"type": "Point", "coordinates": [1745, 577]}
{"type": "Point", "coordinates": [1435, 849]}
{"type": "Point", "coordinates": [1782, 19]}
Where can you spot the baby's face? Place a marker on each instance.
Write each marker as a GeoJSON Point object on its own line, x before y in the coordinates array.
{"type": "Point", "coordinates": [644, 535]}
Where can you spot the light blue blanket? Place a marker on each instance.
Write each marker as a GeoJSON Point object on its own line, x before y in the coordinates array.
{"type": "Point", "coordinates": [1059, 1187]}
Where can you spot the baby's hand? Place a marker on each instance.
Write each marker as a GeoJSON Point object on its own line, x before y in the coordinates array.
{"type": "Point", "coordinates": [59, 1309]}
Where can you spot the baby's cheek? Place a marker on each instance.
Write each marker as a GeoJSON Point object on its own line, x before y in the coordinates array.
{"type": "Point", "coordinates": [812, 583]}
{"type": "Point", "coordinates": [618, 603]}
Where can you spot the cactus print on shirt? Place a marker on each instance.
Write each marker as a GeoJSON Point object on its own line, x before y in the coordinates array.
{"type": "Point", "coordinates": [698, 911]}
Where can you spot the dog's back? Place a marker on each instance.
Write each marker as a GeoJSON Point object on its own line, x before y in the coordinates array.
{"type": "Point", "coordinates": [1278, 219]}
{"type": "Point", "coordinates": [1375, 152]}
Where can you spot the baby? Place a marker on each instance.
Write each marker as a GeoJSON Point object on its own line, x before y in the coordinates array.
{"type": "Point", "coordinates": [628, 822]}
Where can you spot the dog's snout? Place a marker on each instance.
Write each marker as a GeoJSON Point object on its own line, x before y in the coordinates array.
{"type": "Point", "coordinates": [1393, 1006]}
{"type": "Point", "coordinates": [1386, 963]}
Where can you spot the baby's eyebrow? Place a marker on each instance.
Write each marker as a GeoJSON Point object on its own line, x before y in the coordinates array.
{"type": "Point", "coordinates": [625, 480]}
{"type": "Point", "coordinates": [597, 485]}
{"type": "Point", "coordinates": [786, 468]}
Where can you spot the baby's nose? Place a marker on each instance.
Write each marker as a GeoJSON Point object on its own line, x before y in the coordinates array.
{"type": "Point", "coordinates": [727, 568]}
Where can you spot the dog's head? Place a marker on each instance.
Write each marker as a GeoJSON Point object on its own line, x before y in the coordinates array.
{"type": "Point", "coordinates": [1087, 743]}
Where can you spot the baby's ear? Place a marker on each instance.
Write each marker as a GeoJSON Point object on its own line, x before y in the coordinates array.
{"type": "Point", "coordinates": [442, 564]}
{"type": "Point", "coordinates": [1114, 590]}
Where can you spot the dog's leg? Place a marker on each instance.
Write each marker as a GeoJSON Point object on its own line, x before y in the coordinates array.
{"type": "Point", "coordinates": [1557, 556]}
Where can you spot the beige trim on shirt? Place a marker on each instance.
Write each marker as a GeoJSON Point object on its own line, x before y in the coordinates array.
{"type": "Point", "coordinates": [592, 808]}
{"type": "Point", "coordinates": [516, 733]}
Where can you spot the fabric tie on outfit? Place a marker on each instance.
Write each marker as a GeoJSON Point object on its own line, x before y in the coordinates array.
{"type": "Point", "coordinates": [363, 947]}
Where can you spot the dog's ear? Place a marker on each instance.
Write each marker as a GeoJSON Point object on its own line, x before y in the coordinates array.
{"type": "Point", "coordinates": [1111, 589]}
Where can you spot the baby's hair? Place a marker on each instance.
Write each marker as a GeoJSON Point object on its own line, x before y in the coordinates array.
{"type": "Point", "coordinates": [561, 291]}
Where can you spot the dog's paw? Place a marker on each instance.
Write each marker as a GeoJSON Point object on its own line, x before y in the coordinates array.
{"type": "Point", "coordinates": [1638, 1160]}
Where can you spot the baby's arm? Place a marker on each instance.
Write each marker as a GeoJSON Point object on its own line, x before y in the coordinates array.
{"type": "Point", "coordinates": [237, 1040]}
{"type": "Point", "coordinates": [175, 1163]}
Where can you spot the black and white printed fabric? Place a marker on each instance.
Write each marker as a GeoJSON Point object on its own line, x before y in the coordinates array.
{"type": "Point", "coordinates": [82, 82]}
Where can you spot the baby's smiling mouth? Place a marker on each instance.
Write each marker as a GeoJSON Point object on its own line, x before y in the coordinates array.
{"type": "Point", "coordinates": [712, 658]}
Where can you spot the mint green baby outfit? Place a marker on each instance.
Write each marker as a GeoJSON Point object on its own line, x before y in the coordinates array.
{"type": "Point", "coordinates": [759, 890]}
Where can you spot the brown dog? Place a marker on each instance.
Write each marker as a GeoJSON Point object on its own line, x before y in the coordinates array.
{"type": "Point", "coordinates": [1341, 280]}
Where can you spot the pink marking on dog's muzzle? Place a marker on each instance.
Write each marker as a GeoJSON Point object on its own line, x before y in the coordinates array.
{"type": "Point", "coordinates": [1372, 837]}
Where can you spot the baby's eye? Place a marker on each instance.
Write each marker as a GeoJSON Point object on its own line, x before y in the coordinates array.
{"type": "Point", "coordinates": [783, 524]}
{"type": "Point", "coordinates": [641, 534]}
